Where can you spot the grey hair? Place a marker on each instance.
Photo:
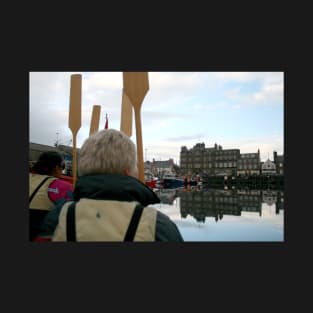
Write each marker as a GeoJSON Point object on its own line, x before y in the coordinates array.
{"type": "Point", "coordinates": [108, 151]}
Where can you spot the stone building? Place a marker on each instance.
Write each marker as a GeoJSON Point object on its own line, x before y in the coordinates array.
{"type": "Point", "coordinates": [279, 162]}
{"type": "Point", "coordinates": [249, 164]}
{"type": "Point", "coordinates": [268, 168]}
{"type": "Point", "coordinates": [159, 168]}
{"type": "Point", "coordinates": [200, 160]}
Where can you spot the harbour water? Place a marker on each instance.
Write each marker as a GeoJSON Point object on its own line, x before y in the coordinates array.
{"type": "Point", "coordinates": [203, 214]}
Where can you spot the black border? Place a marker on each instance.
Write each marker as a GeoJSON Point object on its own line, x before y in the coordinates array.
{"type": "Point", "coordinates": [138, 267]}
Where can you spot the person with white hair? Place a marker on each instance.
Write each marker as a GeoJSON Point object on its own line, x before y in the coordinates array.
{"type": "Point", "coordinates": [110, 203]}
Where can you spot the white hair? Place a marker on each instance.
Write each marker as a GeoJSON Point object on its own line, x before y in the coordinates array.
{"type": "Point", "coordinates": [108, 151]}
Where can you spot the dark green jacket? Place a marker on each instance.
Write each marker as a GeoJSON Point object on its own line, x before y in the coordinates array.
{"type": "Point", "coordinates": [119, 188]}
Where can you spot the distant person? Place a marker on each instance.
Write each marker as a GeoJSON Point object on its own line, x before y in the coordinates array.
{"type": "Point", "coordinates": [111, 204]}
{"type": "Point", "coordinates": [46, 188]}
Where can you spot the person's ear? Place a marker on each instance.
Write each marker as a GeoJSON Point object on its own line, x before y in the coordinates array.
{"type": "Point", "coordinates": [131, 172]}
{"type": "Point", "coordinates": [57, 171]}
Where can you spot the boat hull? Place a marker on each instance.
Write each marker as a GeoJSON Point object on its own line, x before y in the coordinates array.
{"type": "Point", "coordinates": [172, 183]}
{"type": "Point", "coordinates": [151, 183]}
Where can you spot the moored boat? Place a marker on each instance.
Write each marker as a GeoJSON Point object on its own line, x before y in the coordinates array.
{"type": "Point", "coordinates": [170, 181]}
{"type": "Point", "coordinates": [150, 180]}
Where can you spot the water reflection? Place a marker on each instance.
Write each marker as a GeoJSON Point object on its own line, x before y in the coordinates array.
{"type": "Point", "coordinates": [216, 203]}
{"type": "Point", "coordinates": [167, 196]}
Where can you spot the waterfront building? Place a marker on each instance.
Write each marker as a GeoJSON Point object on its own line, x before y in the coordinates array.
{"type": "Point", "coordinates": [148, 166]}
{"type": "Point", "coordinates": [268, 168]}
{"type": "Point", "coordinates": [279, 162]}
{"type": "Point", "coordinates": [202, 161]}
{"type": "Point", "coordinates": [249, 164]}
{"type": "Point", "coordinates": [216, 161]}
{"type": "Point", "coordinates": [159, 168]}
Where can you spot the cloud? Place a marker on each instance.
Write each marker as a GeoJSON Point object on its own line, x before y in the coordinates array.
{"type": "Point", "coordinates": [270, 92]}
{"type": "Point", "coordinates": [246, 77]}
{"type": "Point", "coordinates": [186, 138]}
{"type": "Point", "coordinates": [49, 103]}
{"type": "Point", "coordinates": [176, 110]}
{"type": "Point", "coordinates": [103, 81]}
{"type": "Point", "coordinates": [170, 80]}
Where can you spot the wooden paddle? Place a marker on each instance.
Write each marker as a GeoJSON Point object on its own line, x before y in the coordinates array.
{"type": "Point", "coordinates": [136, 85]}
{"type": "Point", "coordinates": [74, 121]}
{"type": "Point", "coordinates": [126, 115]}
{"type": "Point", "coordinates": [95, 118]}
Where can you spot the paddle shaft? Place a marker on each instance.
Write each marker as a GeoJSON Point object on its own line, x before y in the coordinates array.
{"type": "Point", "coordinates": [75, 117]}
{"type": "Point", "coordinates": [139, 145]}
{"type": "Point", "coordinates": [74, 162]}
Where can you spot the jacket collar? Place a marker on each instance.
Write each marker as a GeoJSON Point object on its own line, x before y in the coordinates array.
{"type": "Point", "coordinates": [114, 187]}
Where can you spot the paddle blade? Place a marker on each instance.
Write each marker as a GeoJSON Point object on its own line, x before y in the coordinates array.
{"type": "Point", "coordinates": [75, 103]}
{"type": "Point", "coordinates": [135, 85]}
{"type": "Point", "coordinates": [126, 115]}
{"type": "Point", "coordinates": [95, 118]}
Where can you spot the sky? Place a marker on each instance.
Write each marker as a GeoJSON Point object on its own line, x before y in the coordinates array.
{"type": "Point", "coordinates": [237, 110]}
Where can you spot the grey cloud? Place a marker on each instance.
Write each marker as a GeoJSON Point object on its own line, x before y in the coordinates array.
{"type": "Point", "coordinates": [185, 138]}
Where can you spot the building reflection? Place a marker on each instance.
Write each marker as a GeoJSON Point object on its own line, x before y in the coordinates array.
{"type": "Point", "coordinates": [167, 196]}
{"type": "Point", "coordinates": [216, 203]}
{"type": "Point", "coordinates": [275, 198]}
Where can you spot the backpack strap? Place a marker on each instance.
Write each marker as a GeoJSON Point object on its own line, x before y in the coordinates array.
{"type": "Point", "coordinates": [132, 228]}
{"type": "Point", "coordinates": [37, 188]}
{"type": "Point", "coordinates": [70, 223]}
